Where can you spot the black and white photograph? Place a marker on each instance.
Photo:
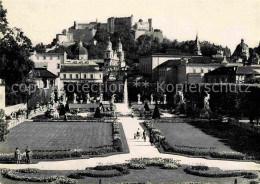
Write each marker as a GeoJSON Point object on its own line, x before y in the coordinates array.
{"type": "Point", "coordinates": [129, 91]}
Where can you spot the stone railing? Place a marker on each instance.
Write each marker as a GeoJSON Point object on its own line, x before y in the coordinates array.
{"type": "Point", "coordinates": [22, 118]}
{"type": "Point", "coordinates": [244, 125]}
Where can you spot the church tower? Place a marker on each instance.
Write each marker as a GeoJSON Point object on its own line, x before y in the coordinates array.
{"type": "Point", "coordinates": [197, 50]}
{"type": "Point", "coordinates": [108, 53]}
{"type": "Point", "coordinates": [120, 54]}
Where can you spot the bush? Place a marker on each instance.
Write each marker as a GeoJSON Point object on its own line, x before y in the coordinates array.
{"type": "Point", "coordinates": [137, 166]}
{"type": "Point", "coordinates": [118, 145]}
{"type": "Point", "coordinates": [170, 166]}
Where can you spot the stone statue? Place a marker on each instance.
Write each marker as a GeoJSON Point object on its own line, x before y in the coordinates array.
{"type": "Point", "coordinates": [139, 99]}
{"type": "Point", "coordinates": [74, 98]}
{"type": "Point", "coordinates": [87, 98]}
{"type": "Point", "coordinates": [52, 98]}
{"type": "Point", "coordinates": [206, 101]}
{"type": "Point", "coordinates": [113, 99]}
{"type": "Point", "coordinates": [101, 97]}
{"type": "Point", "coordinates": [164, 99]}
{"type": "Point", "coordinates": [151, 98]}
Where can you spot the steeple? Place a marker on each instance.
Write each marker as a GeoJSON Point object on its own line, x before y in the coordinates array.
{"type": "Point", "coordinates": [197, 46]}
{"type": "Point", "coordinates": [119, 46]}
{"type": "Point", "coordinates": [109, 44]}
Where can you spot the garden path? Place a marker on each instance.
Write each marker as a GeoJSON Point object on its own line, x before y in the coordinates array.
{"type": "Point", "coordinates": [138, 148]}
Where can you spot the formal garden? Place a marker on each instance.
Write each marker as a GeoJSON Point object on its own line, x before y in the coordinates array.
{"type": "Point", "coordinates": [137, 170]}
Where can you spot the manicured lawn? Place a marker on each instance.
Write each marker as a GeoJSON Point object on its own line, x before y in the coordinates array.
{"type": "Point", "coordinates": [185, 135]}
{"type": "Point", "coordinates": [152, 174]}
{"type": "Point", "coordinates": [58, 135]}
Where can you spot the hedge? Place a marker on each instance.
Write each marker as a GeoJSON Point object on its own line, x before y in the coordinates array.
{"type": "Point", "coordinates": [219, 173]}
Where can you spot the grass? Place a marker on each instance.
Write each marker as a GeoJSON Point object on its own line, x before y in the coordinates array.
{"type": "Point", "coordinates": [237, 138]}
{"type": "Point", "coordinates": [152, 174]}
{"type": "Point", "coordinates": [57, 135]}
{"type": "Point", "coordinates": [183, 135]}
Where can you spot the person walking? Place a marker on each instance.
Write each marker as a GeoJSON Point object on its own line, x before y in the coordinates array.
{"type": "Point", "coordinates": [17, 156]}
{"type": "Point", "coordinates": [144, 135]}
{"type": "Point", "coordinates": [138, 133]}
{"type": "Point", "coordinates": [28, 155]}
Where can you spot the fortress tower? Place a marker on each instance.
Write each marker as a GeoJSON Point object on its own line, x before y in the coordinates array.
{"type": "Point", "coordinates": [197, 50]}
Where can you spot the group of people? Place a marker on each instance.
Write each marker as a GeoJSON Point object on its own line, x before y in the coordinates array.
{"type": "Point", "coordinates": [138, 134]}
{"type": "Point", "coordinates": [18, 155]}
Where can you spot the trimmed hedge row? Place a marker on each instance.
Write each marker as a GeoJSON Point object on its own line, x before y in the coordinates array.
{"type": "Point", "coordinates": [218, 174]}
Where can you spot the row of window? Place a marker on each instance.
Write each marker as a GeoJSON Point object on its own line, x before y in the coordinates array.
{"type": "Point", "coordinates": [201, 70]}
{"type": "Point", "coordinates": [77, 76]}
{"type": "Point", "coordinates": [44, 57]}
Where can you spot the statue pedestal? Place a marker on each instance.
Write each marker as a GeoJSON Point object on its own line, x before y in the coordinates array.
{"type": "Point", "coordinates": [205, 113]}
{"type": "Point", "coordinates": [139, 103]}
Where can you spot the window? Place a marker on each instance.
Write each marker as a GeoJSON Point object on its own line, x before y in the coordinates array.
{"type": "Point", "coordinates": [100, 76]}
{"type": "Point", "coordinates": [64, 76]}
{"type": "Point", "coordinates": [44, 57]}
{"type": "Point", "coordinates": [58, 66]}
{"type": "Point", "coordinates": [85, 76]}
{"type": "Point", "coordinates": [91, 76]}
{"type": "Point", "coordinates": [77, 76]}
{"type": "Point", "coordinates": [58, 56]}
{"type": "Point", "coordinates": [71, 76]}
{"type": "Point", "coordinates": [194, 70]}
{"type": "Point", "coordinates": [201, 70]}
{"type": "Point", "coordinates": [107, 55]}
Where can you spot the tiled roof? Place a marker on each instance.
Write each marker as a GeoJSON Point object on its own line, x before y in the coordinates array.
{"type": "Point", "coordinates": [40, 65]}
{"type": "Point", "coordinates": [223, 71]}
{"type": "Point", "coordinates": [78, 68]}
{"type": "Point", "coordinates": [246, 70]}
{"type": "Point", "coordinates": [234, 70]}
{"type": "Point", "coordinates": [43, 73]}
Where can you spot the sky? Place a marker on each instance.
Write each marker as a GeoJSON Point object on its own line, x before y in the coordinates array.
{"type": "Point", "coordinates": [222, 22]}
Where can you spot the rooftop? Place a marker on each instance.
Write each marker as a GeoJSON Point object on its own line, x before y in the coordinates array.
{"type": "Point", "coordinates": [43, 73]}
{"type": "Point", "coordinates": [78, 68]}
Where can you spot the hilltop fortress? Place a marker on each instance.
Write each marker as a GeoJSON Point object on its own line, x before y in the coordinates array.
{"type": "Point", "coordinates": [86, 31]}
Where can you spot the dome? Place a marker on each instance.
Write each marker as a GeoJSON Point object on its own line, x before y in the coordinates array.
{"type": "Point", "coordinates": [82, 50]}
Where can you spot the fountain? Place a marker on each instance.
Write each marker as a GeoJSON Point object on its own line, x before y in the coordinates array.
{"type": "Point", "coordinates": [123, 108]}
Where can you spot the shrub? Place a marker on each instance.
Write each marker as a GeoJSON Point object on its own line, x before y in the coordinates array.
{"type": "Point", "coordinates": [170, 166]}
{"type": "Point", "coordinates": [118, 145]}
{"type": "Point", "coordinates": [137, 166]}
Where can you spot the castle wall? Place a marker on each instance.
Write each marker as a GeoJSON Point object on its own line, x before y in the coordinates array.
{"type": "Point", "coordinates": [158, 35]}
{"type": "Point", "coordinates": [78, 34]}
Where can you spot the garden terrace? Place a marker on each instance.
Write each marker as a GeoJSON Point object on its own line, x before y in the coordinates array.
{"type": "Point", "coordinates": [122, 174]}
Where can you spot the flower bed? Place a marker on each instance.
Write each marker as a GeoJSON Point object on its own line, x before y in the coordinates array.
{"type": "Point", "coordinates": [53, 179]}
{"type": "Point", "coordinates": [200, 171]}
{"type": "Point", "coordinates": [141, 163]}
{"type": "Point", "coordinates": [102, 171]}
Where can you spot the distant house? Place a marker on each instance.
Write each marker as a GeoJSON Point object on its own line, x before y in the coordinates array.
{"type": "Point", "coordinates": [185, 70]}
{"type": "Point", "coordinates": [232, 74]}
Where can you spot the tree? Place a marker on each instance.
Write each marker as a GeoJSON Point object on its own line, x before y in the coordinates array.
{"type": "Point", "coordinates": [156, 113]}
{"type": "Point", "coordinates": [97, 113]}
{"type": "Point", "coordinates": [15, 63]}
{"type": "Point", "coordinates": [3, 20]}
{"type": "Point", "coordinates": [146, 107]}
{"type": "Point", "coordinates": [3, 126]}
{"type": "Point", "coordinates": [40, 48]}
